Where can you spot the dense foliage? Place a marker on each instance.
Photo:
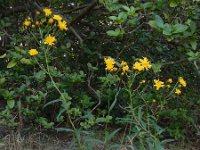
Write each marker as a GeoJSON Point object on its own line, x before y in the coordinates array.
{"type": "Point", "coordinates": [76, 66]}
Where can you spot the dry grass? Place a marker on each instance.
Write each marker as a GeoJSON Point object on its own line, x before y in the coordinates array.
{"type": "Point", "coordinates": [54, 141]}
{"type": "Point", "coordinates": [34, 141]}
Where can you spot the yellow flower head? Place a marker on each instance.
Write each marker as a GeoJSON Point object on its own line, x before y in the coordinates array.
{"type": "Point", "coordinates": [37, 23]}
{"type": "Point", "coordinates": [177, 91]}
{"type": "Point", "coordinates": [138, 66]}
{"type": "Point", "coordinates": [50, 40]}
{"type": "Point", "coordinates": [158, 84]}
{"type": "Point", "coordinates": [143, 81]}
{"type": "Point", "coordinates": [123, 63]}
{"type": "Point", "coordinates": [37, 13]}
{"type": "Point", "coordinates": [51, 20]}
{"type": "Point", "coordinates": [154, 101]}
{"type": "Point", "coordinates": [110, 64]}
{"type": "Point", "coordinates": [182, 82]}
{"type": "Point", "coordinates": [169, 80]}
{"type": "Point", "coordinates": [62, 25]}
{"type": "Point", "coordinates": [47, 11]}
{"type": "Point", "coordinates": [145, 63]}
{"type": "Point", "coordinates": [124, 66]}
{"type": "Point", "coordinates": [28, 18]}
{"type": "Point", "coordinates": [33, 52]}
{"type": "Point", "coordinates": [57, 17]}
{"type": "Point", "coordinates": [168, 86]}
{"type": "Point", "coordinates": [26, 23]}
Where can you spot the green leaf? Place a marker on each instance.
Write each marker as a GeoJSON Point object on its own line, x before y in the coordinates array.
{"type": "Point", "coordinates": [11, 64]}
{"type": "Point", "coordinates": [64, 130]}
{"type": "Point", "coordinates": [114, 102]}
{"type": "Point", "coordinates": [52, 102]}
{"type": "Point", "coordinates": [173, 3]}
{"type": "Point", "coordinates": [193, 55]}
{"type": "Point", "coordinates": [167, 30]}
{"type": "Point", "coordinates": [156, 67]}
{"type": "Point", "coordinates": [26, 61]}
{"type": "Point", "coordinates": [113, 18]}
{"type": "Point", "coordinates": [193, 43]}
{"type": "Point", "coordinates": [66, 96]}
{"type": "Point", "coordinates": [116, 32]}
{"type": "Point", "coordinates": [91, 68]}
{"type": "Point", "coordinates": [2, 80]}
{"type": "Point", "coordinates": [152, 23]}
{"type": "Point", "coordinates": [126, 8]}
{"type": "Point", "coordinates": [159, 21]}
{"type": "Point", "coordinates": [3, 56]}
{"type": "Point", "coordinates": [11, 103]}
{"type": "Point", "coordinates": [40, 76]}
{"type": "Point", "coordinates": [178, 28]}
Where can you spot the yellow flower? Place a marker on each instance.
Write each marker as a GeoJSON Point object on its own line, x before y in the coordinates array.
{"type": "Point", "coordinates": [138, 66]}
{"type": "Point", "coordinates": [28, 18]}
{"type": "Point", "coordinates": [125, 69]}
{"type": "Point", "coordinates": [50, 40]}
{"type": "Point", "coordinates": [33, 52]}
{"type": "Point", "coordinates": [37, 13]}
{"type": "Point", "coordinates": [182, 82]}
{"type": "Point", "coordinates": [177, 91]}
{"type": "Point", "coordinates": [145, 63]}
{"type": "Point", "coordinates": [123, 63]}
{"type": "Point", "coordinates": [47, 11]}
{"type": "Point", "coordinates": [143, 81]}
{"type": "Point", "coordinates": [110, 64]}
{"type": "Point", "coordinates": [154, 101]}
{"type": "Point", "coordinates": [124, 66]}
{"type": "Point", "coordinates": [26, 23]}
{"type": "Point", "coordinates": [168, 86]}
{"type": "Point", "coordinates": [158, 84]}
{"type": "Point", "coordinates": [33, 26]}
{"type": "Point", "coordinates": [37, 23]}
{"type": "Point", "coordinates": [57, 17]}
{"type": "Point", "coordinates": [62, 25]}
{"type": "Point", "coordinates": [169, 80]}
{"type": "Point", "coordinates": [51, 20]}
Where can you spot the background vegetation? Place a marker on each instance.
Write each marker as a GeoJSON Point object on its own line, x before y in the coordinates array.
{"type": "Point", "coordinates": [129, 69]}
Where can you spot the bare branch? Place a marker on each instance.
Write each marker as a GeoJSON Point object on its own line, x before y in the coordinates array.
{"type": "Point", "coordinates": [84, 12]}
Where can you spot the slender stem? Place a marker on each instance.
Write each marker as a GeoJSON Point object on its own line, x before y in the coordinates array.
{"type": "Point", "coordinates": [56, 87]}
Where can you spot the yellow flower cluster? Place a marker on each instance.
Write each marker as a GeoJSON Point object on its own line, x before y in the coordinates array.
{"type": "Point", "coordinates": [124, 67]}
{"type": "Point", "coordinates": [160, 84]}
{"type": "Point", "coordinates": [110, 64]}
{"type": "Point", "coordinates": [27, 22]}
{"type": "Point", "coordinates": [169, 81]}
{"type": "Point", "coordinates": [142, 64]}
{"type": "Point", "coordinates": [62, 24]}
{"type": "Point", "coordinates": [182, 83]}
{"type": "Point", "coordinates": [49, 40]}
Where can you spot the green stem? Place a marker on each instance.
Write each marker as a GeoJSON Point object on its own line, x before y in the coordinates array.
{"type": "Point", "coordinates": [58, 90]}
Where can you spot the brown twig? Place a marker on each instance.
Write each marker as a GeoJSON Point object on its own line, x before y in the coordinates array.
{"type": "Point", "coordinates": [13, 11]}
{"type": "Point", "coordinates": [84, 12]}
{"type": "Point", "coordinates": [94, 92]}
